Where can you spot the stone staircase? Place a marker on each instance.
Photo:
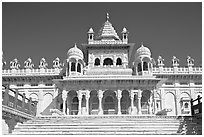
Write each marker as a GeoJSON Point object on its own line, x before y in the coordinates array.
{"type": "Point", "coordinates": [100, 125]}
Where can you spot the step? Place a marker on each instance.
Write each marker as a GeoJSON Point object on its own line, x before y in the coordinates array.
{"type": "Point", "coordinates": [99, 133]}
{"type": "Point", "coordinates": [98, 127]}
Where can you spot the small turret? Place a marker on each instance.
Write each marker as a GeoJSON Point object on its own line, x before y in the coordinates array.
{"type": "Point", "coordinates": [90, 36]}
{"type": "Point", "coordinates": [125, 35]}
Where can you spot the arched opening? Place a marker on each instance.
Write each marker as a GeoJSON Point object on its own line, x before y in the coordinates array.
{"type": "Point", "coordinates": [145, 66]}
{"type": "Point", "coordinates": [74, 106]}
{"type": "Point", "coordinates": [97, 62]}
{"type": "Point", "coordinates": [170, 103]}
{"type": "Point", "coordinates": [94, 103]}
{"type": "Point", "coordinates": [108, 61]}
{"type": "Point", "coordinates": [118, 61]}
{"type": "Point", "coordinates": [34, 97]}
{"type": "Point", "coordinates": [47, 99]}
{"type": "Point", "coordinates": [73, 66]}
{"type": "Point", "coordinates": [109, 105]}
{"type": "Point", "coordinates": [79, 67]}
{"type": "Point", "coordinates": [90, 37]}
{"type": "Point", "coordinates": [125, 102]}
{"type": "Point", "coordinates": [125, 36]}
{"type": "Point", "coordinates": [139, 67]}
{"type": "Point", "coordinates": [144, 102]}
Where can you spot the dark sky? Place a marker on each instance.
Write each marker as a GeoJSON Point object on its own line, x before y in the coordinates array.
{"type": "Point", "coordinates": [48, 30]}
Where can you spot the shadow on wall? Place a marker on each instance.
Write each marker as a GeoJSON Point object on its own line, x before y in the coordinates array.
{"type": "Point", "coordinates": [52, 105]}
{"type": "Point", "coordinates": [190, 125]}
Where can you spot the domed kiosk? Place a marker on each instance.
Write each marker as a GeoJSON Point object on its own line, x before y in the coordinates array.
{"type": "Point", "coordinates": [74, 62]}
{"type": "Point", "coordinates": [143, 62]}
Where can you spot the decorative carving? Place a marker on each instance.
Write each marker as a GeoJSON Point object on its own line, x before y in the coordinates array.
{"type": "Point", "coordinates": [43, 63]}
{"type": "Point", "coordinates": [56, 63]}
{"type": "Point", "coordinates": [160, 61]}
{"type": "Point", "coordinates": [125, 58]}
{"type": "Point", "coordinates": [190, 61]}
{"type": "Point", "coordinates": [175, 61]}
{"type": "Point", "coordinates": [28, 64]}
{"type": "Point", "coordinates": [14, 64]}
{"type": "Point", "coordinates": [64, 94]}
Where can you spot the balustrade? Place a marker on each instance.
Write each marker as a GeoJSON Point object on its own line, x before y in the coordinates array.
{"type": "Point", "coordinates": [18, 101]}
{"type": "Point", "coordinates": [181, 70]}
{"type": "Point", "coordinates": [31, 72]}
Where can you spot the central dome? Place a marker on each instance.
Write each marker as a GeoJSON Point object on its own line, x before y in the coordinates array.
{"type": "Point", "coordinates": [75, 52]}
{"type": "Point", "coordinates": [143, 51]}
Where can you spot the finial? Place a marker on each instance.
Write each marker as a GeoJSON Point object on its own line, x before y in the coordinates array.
{"type": "Point", "coordinates": [142, 44]}
{"type": "Point", "coordinates": [107, 16]}
{"type": "Point", "coordinates": [75, 45]}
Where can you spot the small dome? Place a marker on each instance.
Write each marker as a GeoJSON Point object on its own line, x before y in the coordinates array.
{"type": "Point", "coordinates": [90, 31]}
{"type": "Point", "coordinates": [124, 30]}
{"type": "Point", "coordinates": [143, 51]}
{"type": "Point", "coordinates": [75, 52]}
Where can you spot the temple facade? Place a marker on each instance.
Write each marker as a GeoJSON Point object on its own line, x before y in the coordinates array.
{"type": "Point", "coordinates": [107, 76]}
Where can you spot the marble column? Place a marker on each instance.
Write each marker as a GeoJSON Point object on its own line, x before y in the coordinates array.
{"type": "Point", "coordinates": [40, 102]}
{"type": "Point", "coordinates": [119, 95]}
{"type": "Point", "coordinates": [64, 98]}
{"type": "Point", "coordinates": [132, 102]}
{"type": "Point", "coordinates": [142, 66]}
{"type": "Point", "coordinates": [79, 98]}
{"type": "Point", "coordinates": [150, 104]}
{"type": "Point", "coordinates": [87, 102]}
{"type": "Point", "coordinates": [67, 106]}
{"type": "Point", "coordinates": [139, 102]}
{"type": "Point", "coordinates": [76, 66]}
{"type": "Point", "coordinates": [70, 65]}
{"type": "Point", "coordinates": [100, 96]}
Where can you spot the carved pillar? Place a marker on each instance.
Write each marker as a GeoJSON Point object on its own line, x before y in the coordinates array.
{"type": "Point", "coordinates": [178, 106]}
{"type": "Point", "coordinates": [154, 101]}
{"type": "Point", "coordinates": [87, 102]}
{"type": "Point", "coordinates": [64, 97]}
{"type": "Point", "coordinates": [114, 60]}
{"type": "Point", "coordinates": [101, 60]}
{"type": "Point", "coordinates": [70, 67]}
{"type": "Point", "coordinates": [132, 102]}
{"type": "Point", "coordinates": [100, 96]}
{"type": "Point", "coordinates": [30, 106]}
{"type": "Point", "coordinates": [142, 66]}
{"type": "Point", "coordinates": [119, 95]}
{"type": "Point", "coordinates": [40, 102]}
{"type": "Point", "coordinates": [76, 65]}
{"type": "Point", "coordinates": [150, 104]}
{"type": "Point", "coordinates": [67, 71]}
{"type": "Point", "coordinates": [16, 99]}
{"type": "Point", "coordinates": [79, 98]}
{"type": "Point", "coordinates": [139, 101]}
{"type": "Point", "coordinates": [67, 105]}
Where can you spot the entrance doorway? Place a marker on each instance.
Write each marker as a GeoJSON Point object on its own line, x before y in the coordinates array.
{"type": "Point", "coordinates": [74, 106]}
{"type": "Point", "coordinates": [109, 105]}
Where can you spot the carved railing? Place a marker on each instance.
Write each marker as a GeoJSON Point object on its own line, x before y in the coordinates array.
{"type": "Point", "coordinates": [15, 100]}
{"type": "Point", "coordinates": [107, 42]}
{"type": "Point", "coordinates": [177, 70]}
{"type": "Point", "coordinates": [56, 71]}
{"type": "Point", "coordinates": [30, 72]}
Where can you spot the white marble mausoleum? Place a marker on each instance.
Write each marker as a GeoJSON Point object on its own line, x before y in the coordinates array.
{"type": "Point", "coordinates": [108, 75]}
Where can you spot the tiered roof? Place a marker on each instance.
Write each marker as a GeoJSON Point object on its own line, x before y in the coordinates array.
{"type": "Point", "coordinates": [107, 31]}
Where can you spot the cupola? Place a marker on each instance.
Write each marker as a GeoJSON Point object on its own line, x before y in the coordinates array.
{"type": "Point", "coordinates": [75, 52]}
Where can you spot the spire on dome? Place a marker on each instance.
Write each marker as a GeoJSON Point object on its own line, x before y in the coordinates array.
{"type": "Point", "coordinates": [107, 16]}
{"type": "Point", "coordinates": [142, 44]}
{"type": "Point", "coordinates": [107, 31]}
